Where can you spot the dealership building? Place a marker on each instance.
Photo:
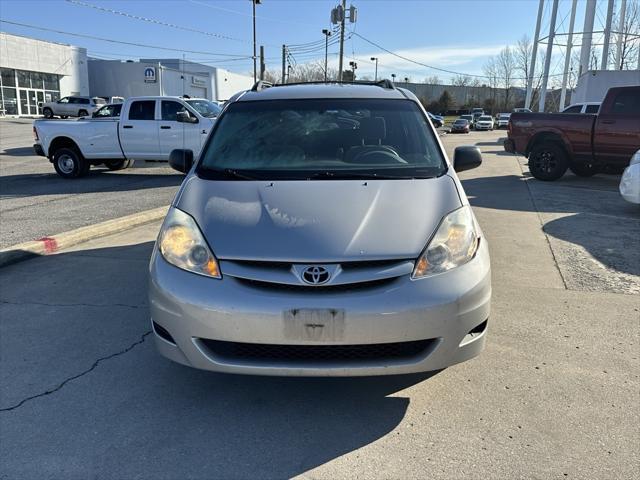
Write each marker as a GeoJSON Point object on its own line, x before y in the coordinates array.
{"type": "Point", "coordinates": [36, 71]}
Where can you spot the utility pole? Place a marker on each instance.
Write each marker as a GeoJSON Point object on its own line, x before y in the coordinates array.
{"type": "Point", "coordinates": [327, 34]}
{"type": "Point", "coordinates": [374, 59]}
{"type": "Point", "coordinates": [623, 12]}
{"type": "Point", "coordinates": [547, 60]}
{"type": "Point", "coordinates": [262, 65]}
{"type": "Point", "coordinates": [344, 14]}
{"type": "Point", "coordinates": [587, 35]}
{"type": "Point", "coordinates": [393, 77]}
{"type": "Point", "coordinates": [607, 37]}
{"type": "Point", "coordinates": [534, 55]}
{"type": "Point", "coordinates": [255, 66]}
{"type": "Point", "coordinates": [567, 58]}
{"type": "Point", "coordinates": [284, 58]}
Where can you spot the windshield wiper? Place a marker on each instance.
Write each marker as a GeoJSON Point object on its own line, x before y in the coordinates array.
{"type": "Point", "coordinates": [361, 176]}
{"type": "Point", "coordinates": [230, 173]}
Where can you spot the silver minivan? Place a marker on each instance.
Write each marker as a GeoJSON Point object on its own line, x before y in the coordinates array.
{"type": "Point", "coordinates": [321, 232]}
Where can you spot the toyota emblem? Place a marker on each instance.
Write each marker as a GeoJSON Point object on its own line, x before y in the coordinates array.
{"type": "Point", "coordinates": [315, 275]}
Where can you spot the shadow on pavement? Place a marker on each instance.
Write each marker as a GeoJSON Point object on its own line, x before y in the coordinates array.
{"type": "Point", "coordinates": [136, 414]}
{"type": "Point", "coordinates": [18, 152]}
{"type": "Point", "coordinates": [98, 179]}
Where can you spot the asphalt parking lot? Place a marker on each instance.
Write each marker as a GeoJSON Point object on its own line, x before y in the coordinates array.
{"type": "Point", "coordinates": [556, 394]}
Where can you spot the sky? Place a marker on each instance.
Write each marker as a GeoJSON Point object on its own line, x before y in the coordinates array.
{"type": "Point", "coordinates": [455, 35]}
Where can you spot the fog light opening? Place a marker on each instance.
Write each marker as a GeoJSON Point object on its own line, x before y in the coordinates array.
{"type": "Point", "coordinates": [163, 333]}
{"type": "Point", "coordinates": [475, 333]}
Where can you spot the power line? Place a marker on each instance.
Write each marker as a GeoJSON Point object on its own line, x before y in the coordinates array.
{"type": "Point", "coordinates": [102, 39]}
{"type": "Point", "coordinates": [154, 21]}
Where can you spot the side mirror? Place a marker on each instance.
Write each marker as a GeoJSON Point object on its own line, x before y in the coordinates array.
{"type": "Point", "coordinates": [184, 117]}
{"type": "Point", "coordinates": [181, 160]}
{"type": "Point", "coordinates": [466, 158]}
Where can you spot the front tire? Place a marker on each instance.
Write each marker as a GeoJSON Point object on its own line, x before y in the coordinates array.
{"type": "Point", "coordinates": [83, 113]}
{"type": "Point", "coordinates": [69, 163]}
{"type": "Point", "coordinates": [583, 169]}
{"type": "Point", "coordinates": [548, 161]}
{"type": "Point", "coordinates": [48, 113]}
{"type": "Point", "coordinates": [116, 165]}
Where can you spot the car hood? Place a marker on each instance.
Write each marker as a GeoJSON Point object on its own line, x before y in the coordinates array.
{"type": "Point", "coordinates": [318, 221]}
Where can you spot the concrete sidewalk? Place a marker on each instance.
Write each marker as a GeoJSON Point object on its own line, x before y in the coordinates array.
{"type": "Point", "coordinates": [555, 394]}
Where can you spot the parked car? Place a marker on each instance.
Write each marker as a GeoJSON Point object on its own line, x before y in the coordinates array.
{"type": "Point", "coordinates": [630, 181]}
{"type": "Point", "coordinates": [502, 120]}
{"type": "Point", "coordinates": [477, 110]}
{"type": "Point", "coordinates": [253, 272]}
{"type": "Point", "coordinates": [437, 122]}
{"type": "Point", "coordinates": [147, 128]}
{"type": "Point", "coordinates": [484, 122]}
{"type": "Point", "coordinates": [461, 125]}
{"type": "Point", "coordinates": [584, 143]}
{"type": "Point", "coordinates": [521, 110]}
{"type": "Point", "coordinates": [587, 107]}
{"type": "Point", "coordinates": [476, 116]}
{"type": "Point", "coordinates": [72, 107]}
{"type": "Point", "coordinates": [469, 118]}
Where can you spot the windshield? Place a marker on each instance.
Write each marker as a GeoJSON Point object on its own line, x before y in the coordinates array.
{"type": "Point", "coordinates": [205, 108]}
{"type": "Point", "coordinates": [460, 122]}
{"type": "Point", "coordinates": [485, 118]}
{"type": "Point", "coordinates": [324, 138]}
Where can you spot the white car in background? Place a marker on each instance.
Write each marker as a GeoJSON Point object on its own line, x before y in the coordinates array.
{"type": "Point", "coordinates": [586, 107]}
{"type": "Point", "coordinates": [72, 107]}
{"type": "Point", "coordinates": [484, 122]}
{"type": "Point", "coordinates": [502, 120]}
{"type": "Point", "coordinates": [630, 182]}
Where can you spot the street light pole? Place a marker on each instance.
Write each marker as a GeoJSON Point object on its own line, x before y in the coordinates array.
{"type": "Point", "coordinates": [374, 59]}
{"type": "Point", "coordinates": [327, 34]}
{"type": "Point", "coordinates": [255, 66]}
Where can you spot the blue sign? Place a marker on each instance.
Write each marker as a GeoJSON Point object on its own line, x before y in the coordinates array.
{"type": "Point", "coordinates": [150, 75]}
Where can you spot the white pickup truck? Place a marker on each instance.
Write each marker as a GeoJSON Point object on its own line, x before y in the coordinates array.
{"type": "Point", "coordinates": [144, 128]}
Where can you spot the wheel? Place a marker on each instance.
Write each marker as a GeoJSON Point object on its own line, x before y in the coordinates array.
{"type": "Point", "coordinates": [83, 113]}
{"type": "Point", "coordinates": [69, 163]}
{"type": "Point", "coordinates": [64, 116]}
{"type": "Point", "coordinates": [48, 113]}
{"type": "Point", "coordinates": [583, 169]}
{"type": "Point", "coordinates": [117, 164]}
{"type": "Point", "coordinates": [548, 161]}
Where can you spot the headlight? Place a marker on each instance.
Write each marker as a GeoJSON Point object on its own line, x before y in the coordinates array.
{"type": "Point", "coordinates": [454, 244]}
{"type": "Point", "coordinates": [182, 245]}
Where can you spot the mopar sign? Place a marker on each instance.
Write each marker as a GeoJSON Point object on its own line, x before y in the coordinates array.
{"type": "Point", "coordinates": [150, 75]}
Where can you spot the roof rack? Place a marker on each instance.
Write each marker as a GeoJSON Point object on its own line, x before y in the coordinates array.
{"type": "Point", "coordinates": [385, 83]}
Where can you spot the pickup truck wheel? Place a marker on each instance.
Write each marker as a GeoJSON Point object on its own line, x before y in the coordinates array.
{"type": "Point", "coordinates": [117, 164]}
{"type": "Point", "coordinates": [583, 169]}
{"type": "Point", "coordinates": [48, 113]}
{"type": "Point", "coordinates": [548, 161]}
{"type": "Point", "coordinates": [69, 163]}
{"type": "Point", "coordinates": [83, 113]}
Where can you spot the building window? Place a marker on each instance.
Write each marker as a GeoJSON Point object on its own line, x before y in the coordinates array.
{"type": "Point", "coordinates": [51, 82]}
{"type": "Point", "coordinates": [8, 77]}
{"type": "Point", "coordinates": [24, 79]}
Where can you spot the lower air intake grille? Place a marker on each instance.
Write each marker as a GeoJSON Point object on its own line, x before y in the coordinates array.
{"type": "Point", "coordinates": [311, 353]}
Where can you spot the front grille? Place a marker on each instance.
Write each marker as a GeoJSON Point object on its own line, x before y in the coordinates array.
{"type": "Point", "coordinates": [344, 288]}
{"type": "Point", "coordinates": [313, 353]}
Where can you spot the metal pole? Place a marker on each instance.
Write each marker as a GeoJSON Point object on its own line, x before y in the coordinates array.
{"type": "Point", "coordinates": [344, 14]}
{"type": "Point", "coordinates": [607, 37]}
{"type": "Point", "coordinates": [253, 3]}
{"type": "Point", "coordinates": [587, 35]}
{"type": "Point", "coordinates": [567, 58]}
{"type": "Point", "coordinates": [547, 60]}
{"type": "Point", "coordinates": [326, 33]}
{"type": "Point", "coordinates": [375, 60]}
{"type": "Point", "coordinates": [262, 65]}
{"type": "Point", "coordinates": [623, 12]}
{"type": "Point", "coordinates": [534, 54]}
{"type": "Point", "coordinates": [284, 56]}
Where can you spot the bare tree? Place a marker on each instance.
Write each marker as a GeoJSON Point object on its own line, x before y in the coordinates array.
{"type": "Point", "coordinates": [629, 38]}
{"type": "Point", "coordinates": [490, 70]}
{"type": "Point", "coordinates": [506, 67]}
{"type": "Point", "coordinates": [461, 80]}
{"type": "Point", "coordinates": [522, 57]}
{"type": "Point", "coordinates": [310, 72]}
{"type": "Point", "coordinates": [433, 80]}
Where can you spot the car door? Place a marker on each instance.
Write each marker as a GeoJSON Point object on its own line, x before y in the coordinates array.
{"type": "Point", "coordinates": [173, 134]}
{"type": "Point", "coordinates": [139, 131]}
{"type": "Point", "coordinates": [62, 106]}
{"type": "Point", "coordinates": [103, 135]}
{"type": "Point", "coordinates": [617, 132]}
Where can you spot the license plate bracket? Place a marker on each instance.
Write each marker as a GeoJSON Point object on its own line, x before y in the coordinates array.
{"type": "Point", "coordinates": [314, 324]}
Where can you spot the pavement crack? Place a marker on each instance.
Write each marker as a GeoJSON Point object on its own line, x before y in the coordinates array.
{"type": "Point", "coordinates": [74, 304]}
{"type": "Point", "coordinates": [74, 377]}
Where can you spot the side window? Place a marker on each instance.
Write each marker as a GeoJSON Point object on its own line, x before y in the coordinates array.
{"type": "Point", "coordinates": [64, 100]}
{"type": "Point", "coordinates": [170, 110]}
{"type": "Point", "coordinates": [592, 109]}
{"type": "Point", "coordinates": [574, 109]}
{"type": "Point", "coordinates": [142, 110]}
{"type": "Point", "coordinates": [84, 101]}
{"type": "Point", "coordinates": [627, 103]}
{"type": "Point", "coordinates": [117, 109]}
{"type": "Point", "coordinates": [73, 100]}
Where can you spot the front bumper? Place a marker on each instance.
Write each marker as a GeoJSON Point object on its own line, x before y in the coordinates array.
{"type": "Point", "coordinates": [197, 311]}
{"type": "Point", "coordinates": [483, 127]}
{"type": "Point", "coordinates": [37, 148]}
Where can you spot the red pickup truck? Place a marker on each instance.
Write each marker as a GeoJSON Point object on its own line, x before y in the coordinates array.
{"type": "Point", "coordinates": [583, 143]}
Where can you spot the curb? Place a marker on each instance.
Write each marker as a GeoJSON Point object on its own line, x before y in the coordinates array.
{"type": "Point", "coordinates": [53, 244]}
